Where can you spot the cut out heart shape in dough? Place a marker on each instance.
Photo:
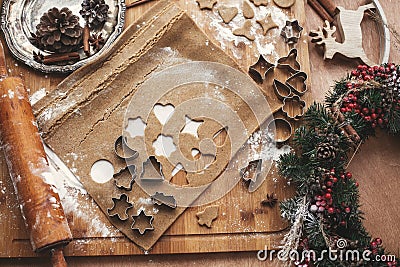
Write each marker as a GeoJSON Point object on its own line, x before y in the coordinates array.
{"type": "Point", "coordinates": [163, 112]}
{"type": "Point", "coordinates": [227, 13]}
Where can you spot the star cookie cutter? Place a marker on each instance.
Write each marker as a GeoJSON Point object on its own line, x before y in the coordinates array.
{"type": "Point", "coordinates": [260, 69]}
{"type": "Point", "coordinates": [293, 107]}
{"type": "Point", "coordinates": [122, 200]}
{"type": "Point", "coordinates": [291, 32]}
{"type": "Point", "coordinates": [141, 230]}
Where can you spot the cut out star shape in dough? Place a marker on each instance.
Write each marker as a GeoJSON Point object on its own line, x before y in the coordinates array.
{"type": "Point", "coordinates": [267, 23]}
{"type": "Point", "coordinates": [206, 4]}
{"type": "Point", "coordinates": [191, 127]}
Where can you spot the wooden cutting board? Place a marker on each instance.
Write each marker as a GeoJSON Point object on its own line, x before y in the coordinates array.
{"type": "Point", "coordinates": [243, 224]}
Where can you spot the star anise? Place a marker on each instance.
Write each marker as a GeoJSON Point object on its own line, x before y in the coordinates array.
{"type": "Point", "coordinates": [270, 201]}
{"type": "Point", "coordinates": [38, 57]}
{"type": "Point", "coordinates": [97, 41]}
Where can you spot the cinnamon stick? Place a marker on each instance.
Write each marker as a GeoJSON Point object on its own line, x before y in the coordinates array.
{"type": "Point", "coordinates": [347, 128]}
{"type": "Point", "coordinates": [54, 58]}
{"type": "Point", "coordinates": [322, 13]}
{"type": "Point", "coordinates": [86, 36]}
{"type": "Point", "coordinates": [136, 3]}
{"type": "Point", "coordinates": [329, 6]}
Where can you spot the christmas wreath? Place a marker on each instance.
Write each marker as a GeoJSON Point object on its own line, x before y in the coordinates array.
{"type": "Point", "coordinates": [325, 212]}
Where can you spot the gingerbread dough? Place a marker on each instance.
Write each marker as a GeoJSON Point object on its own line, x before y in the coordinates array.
{"type": "Point", "coordinates": [248, 11]}
{"type": "Point", "coordinates": [245, 31]}
{"type": "Point", "coordinates": [267, 23]}
{"type": "Point", "coordinates": [260, 2]}
{"type": "Point", "coordinates": [206, 4]}
{"type": "Point", "coordinates": [284, 3]}
{"type": "Point", "coordinates": [227, 13]}
{"type": "Point", "coordinates": [207, 216]}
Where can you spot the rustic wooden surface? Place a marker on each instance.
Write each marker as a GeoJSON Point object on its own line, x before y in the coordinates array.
{"type": "Point", "coordinates": [376, 166]}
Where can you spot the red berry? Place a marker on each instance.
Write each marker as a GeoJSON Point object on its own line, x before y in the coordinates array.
{"type": "Point", "coordinates": [363, 73]}
{"type": "Point", "coordinates": [367, 118]}
{"type": "Point", "coordinates": [347, 210]}
{"type": "Point", "coordinates": [357, 184]}
{"type": "Point", "coordinates": [370, 70]}
{"type": "Point", "coordinates": [379, 111]}
{"type": "Point", "coordinates": [331, 210]}
{"type": "Point", "coordinates": [329, 184]}
{"type": "Point", "coordinates": [343, 223]}
{"type": "Point", "coordinates": [334, 179]}
{"type": "Point", "coordinates": [349, 175]}
{"type": "Point", "coordinates": [343, 110]}
{"type": "Point", "coordinates": [374, 244]}
{"type": "Point", "coordinates": [329, 190]}
{"type": "Point", "coordinates": [376, 68]}
{"type": "Point", "coordinates": [374, 116]}
{"type": "Point", "coordinates": [367, 77]}
{"type": "Point", "coordinates": [332, 171]}
{"type": "Point", "coordinates": [360, 67]}
{"type": "Point", "coordinates": [380, 121]}
{"type": "Point", "coordinates": [364, 67]}
{"type": "Point", "coordinates": [378, 241]}
{"type": "Point", "coordinates": [354, 73]}
{"type": "Point", "coordinates": [365, 111]}
{"type": "Point", "coordinates": [328, 195]}
{"type": "Point", "coordinates": [381, 68]}
{"type": "Point", "coordinates": [373, 125]}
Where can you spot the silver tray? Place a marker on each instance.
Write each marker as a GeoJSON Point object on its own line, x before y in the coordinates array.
{"type": "Point", "coordinates": [20, 17]}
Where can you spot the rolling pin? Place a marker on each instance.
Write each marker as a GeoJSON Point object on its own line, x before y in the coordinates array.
{"type": "Point", "coordinates": [29, 169]}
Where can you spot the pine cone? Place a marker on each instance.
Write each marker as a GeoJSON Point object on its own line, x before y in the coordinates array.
{"type": "Point", "coordinates": [94, 12]}
{"type": "Point", "coordinates": [326, 151]}
{"type": "Point", "coordinates": [58, 31]}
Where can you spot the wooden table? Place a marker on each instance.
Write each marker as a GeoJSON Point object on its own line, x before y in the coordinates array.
{"type": "Point", "coordinates": [375, 165]}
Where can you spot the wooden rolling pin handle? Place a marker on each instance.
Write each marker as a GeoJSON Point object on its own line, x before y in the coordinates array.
{"type": "Point", "coordinates": [29, 170]}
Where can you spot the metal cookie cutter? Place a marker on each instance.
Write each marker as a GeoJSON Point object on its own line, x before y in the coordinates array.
{"type": "Point", "coordinates": [284, 62]}
{"type": "Point", "coordinates": [285, 130]}
{"type": "Point", "coordinates": [123, 151]}
{"type": "Point", "coordinates": [251, 172]}
{"type": "Point", "coordinates": [291, 32]}
{"type": "Point", "coordinates": [294, 107]}
{"type": "Point", "coordinates": [260, 69]}
{"type": "Point", "coordinates": [120, 207]}
{"type": "Point", "coordinates": [142, 229]}
{"type": "Point", "coordinates": [302, 76]}
{"type": "Point", "coordinates": [161, 198]}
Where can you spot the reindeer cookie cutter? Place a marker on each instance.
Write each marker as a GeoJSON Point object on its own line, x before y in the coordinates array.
{"type": "Point", "coordinates": [349, 27]}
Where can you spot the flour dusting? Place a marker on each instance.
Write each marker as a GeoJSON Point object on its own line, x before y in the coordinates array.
{"type": "Point", "coordinates": [223, 33]}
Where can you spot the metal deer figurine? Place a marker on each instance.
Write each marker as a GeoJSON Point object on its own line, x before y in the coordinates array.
{"type": "Point", "coordinates": [349, 26]}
